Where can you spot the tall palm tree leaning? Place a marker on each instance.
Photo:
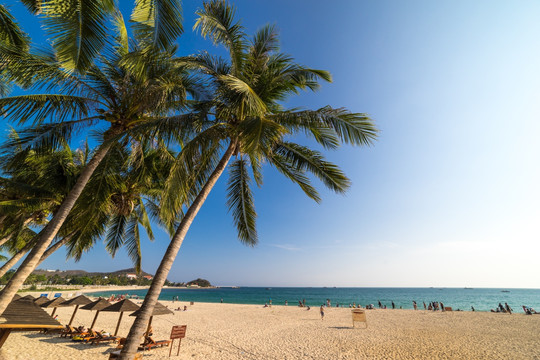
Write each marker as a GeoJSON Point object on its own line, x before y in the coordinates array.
{"type": "Point", "coordinates": [86, 92]}
{"type": "Point", "coordinates": [246, 120]}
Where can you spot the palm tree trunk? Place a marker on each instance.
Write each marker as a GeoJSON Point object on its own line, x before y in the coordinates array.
{"type": "Point", "coordinates": [4, 240]}
{"type": "Point", "coordinates": [49, 232]}
{"type": "Point", "coordinates": [150, 300]}
{"type": "Point", "coordinates": [57, 245]}
{"type": "Point", "coordinates": [15, 259]}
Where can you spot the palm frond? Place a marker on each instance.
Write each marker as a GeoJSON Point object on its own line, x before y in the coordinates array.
{"type": "Point", "coordinates": [306, 159]}
{"type": "Point", "coordinates": [240, 202]}
{"type": "Point", "coordinates": [351, 128]}
{"type": "Point", "coordinates": [78, 29]}
{"type": "Point", "coordinates": [133, 243]}
{"type": "Point", "coordinates": [44, 107]}
{"type": "Point", "coordinates": [298, 176]}
{"type": "Point", "coordinates": [216, 21]}
{"type": "Point", "coordinates": [10, 32]}
{"type": "Point", "coordinates": [157, 22]}
{"type": "Point", "coordinates": [254, 105]}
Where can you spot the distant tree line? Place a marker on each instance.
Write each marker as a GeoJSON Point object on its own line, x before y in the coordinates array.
{"type": "Point", "coordinates": [41, 279]}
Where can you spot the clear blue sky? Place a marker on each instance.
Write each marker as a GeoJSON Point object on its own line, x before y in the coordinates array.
{"type": "Point", "coordinates": [449, 194]}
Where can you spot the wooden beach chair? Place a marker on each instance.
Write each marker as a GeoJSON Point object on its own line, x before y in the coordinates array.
{"type": "Point", "coordinates": [86, 337]}
{"type": "Point", "coordinates": [447, 308]}
{"type": "Point", "coordinates": [69, 331]}
{"type": "Point", "coordinates": [150, 343]}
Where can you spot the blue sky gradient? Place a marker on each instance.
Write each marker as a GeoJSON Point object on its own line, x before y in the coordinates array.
{"type": "Point", "coordinates": [449, 194]}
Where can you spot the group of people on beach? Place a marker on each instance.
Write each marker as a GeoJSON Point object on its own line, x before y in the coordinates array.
{"type": "Point", "coordinates": [431, 306]}
{"type": "Point", "coordinates": [114, 297]}
{"type": "Point", "coordinates": [504, 309]}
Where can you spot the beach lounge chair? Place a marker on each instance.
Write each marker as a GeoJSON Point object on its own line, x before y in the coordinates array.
{"type": "Point", "coordinates": [115, 354]}
{"type": "Point", "coordinates": [447, 308]}
{"type": "Point", "coordinates": [85, 337]}
{"type": "Point", "coordinates": [150, 343]}
{"type": "Point", "coordinates": [69, 331]}
{"type": "Point", "coordinates": [100, 338]}
{"type": "Point", "coordinates": [44, 295]}
{"type": "Point", "coordinates": [57, 295]}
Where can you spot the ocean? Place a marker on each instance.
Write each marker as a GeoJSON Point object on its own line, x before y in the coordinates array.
{"type": "Point", "coordinates": [458, 298]}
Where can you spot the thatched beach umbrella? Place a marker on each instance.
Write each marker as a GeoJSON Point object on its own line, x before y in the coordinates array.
{"type": "Point", "coordinates": [121, 306]}
{"type": "Point", "coordinates": [97, 305]}
{"type": "Point", "coordinates": [159, 309]}
{"type": "Point", "coordinates": [24, 315]}
{"type": "Point", "coordinates": [76, 301]}
{"type": "Point", "coordinates": [28, 297]}
{"type": "Point", "coordinates": [41, 300]}
{"type": "Point", "coordinates": [53, 304]}
{"type": "Point", "coordinates": [16, 297]}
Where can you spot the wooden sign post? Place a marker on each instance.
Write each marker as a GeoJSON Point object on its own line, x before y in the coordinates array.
{"type": "Point", "coordinates": [359, 315]}
{"type": "Point", "coordinates": [177, 332]}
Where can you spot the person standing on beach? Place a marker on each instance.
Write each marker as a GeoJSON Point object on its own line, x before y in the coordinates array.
{"type": "Point", "coordinates": [380, 305]}
{"type": "Point", "coordinates": [425, 308]}
{"type": "Point", "coordinates": [286, 303]}
{"type": "Point", "coordinates": [414, 305]}
{"type": "Point", "coordinates": [508, 308]}
{"type": "Point", "coordinates": [322, 312]}
{"type": "Point", "coordinates": [393, 305]}
{"type": "Point", "coordinates": [222, 301]}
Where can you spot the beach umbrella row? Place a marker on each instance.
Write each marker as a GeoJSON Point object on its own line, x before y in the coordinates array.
{"type": "Point", "coordinates": [99, 305]}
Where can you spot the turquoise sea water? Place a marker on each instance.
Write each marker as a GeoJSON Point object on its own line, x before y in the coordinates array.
{"type": "Point", "coordinates": [482, 299]}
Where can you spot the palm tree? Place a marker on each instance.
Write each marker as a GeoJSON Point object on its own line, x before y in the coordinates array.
{"type": "Point", "coordinates": [33, 186]}
{"type": "Point", "coordinates": [108, 92]}
{"type": "Point", "coordinates": [246, 119]}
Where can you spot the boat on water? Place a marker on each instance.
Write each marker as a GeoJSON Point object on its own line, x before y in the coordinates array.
{"type": "Point", "coordinates": [505, 291]}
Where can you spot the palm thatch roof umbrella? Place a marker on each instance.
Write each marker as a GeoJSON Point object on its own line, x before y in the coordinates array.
{"type": "Point", "coordinates": [77, 301]}
{"type": "Point", "coordinates": [98, 305]}
{"type": "Point", "coordinates": [16, 297]}
{"type": "Point", "coordinates": [41, 300]}
{"type": "Point", "coordinates": [159, 309]}
{"type": "Point", "coordinates": [53, 304]}
{"type": "Point", "coordinates": [29, 297]}
{"type": "Point", "coordinates": [121, 306]}
{"type": "Point", "coordinates": [24, 315]}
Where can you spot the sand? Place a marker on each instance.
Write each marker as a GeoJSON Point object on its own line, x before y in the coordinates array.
{"type": "Point", "coordinates": [227, 331]}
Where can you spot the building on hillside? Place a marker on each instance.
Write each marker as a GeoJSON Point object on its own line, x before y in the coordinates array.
{"type": "Point", "coordinates": [131, 276]}
{"type": "Point", "coordinates": [148, 277]}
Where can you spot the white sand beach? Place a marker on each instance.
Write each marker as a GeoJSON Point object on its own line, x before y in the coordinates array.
{"type": "Point", "coordinates": [227, 331]}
